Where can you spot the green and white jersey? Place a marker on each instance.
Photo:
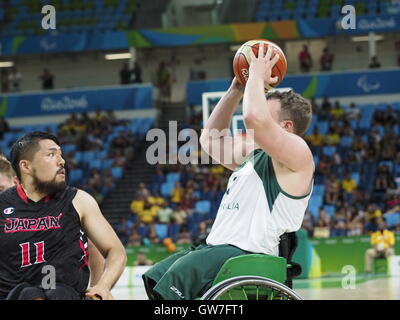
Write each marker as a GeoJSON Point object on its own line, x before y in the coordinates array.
{"type": "Point", "coordinates": [255, 211]}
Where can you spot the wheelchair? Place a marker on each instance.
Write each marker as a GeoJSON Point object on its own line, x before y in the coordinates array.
{"type": "Point", "coordinates": [258, 276]}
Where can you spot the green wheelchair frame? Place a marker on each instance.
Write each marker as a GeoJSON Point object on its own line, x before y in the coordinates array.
{"type": "Point", "coordinates": [258, 276]}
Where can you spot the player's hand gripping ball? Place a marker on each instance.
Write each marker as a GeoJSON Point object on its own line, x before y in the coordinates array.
{"type": "Point", "coordinates": [242, 60]}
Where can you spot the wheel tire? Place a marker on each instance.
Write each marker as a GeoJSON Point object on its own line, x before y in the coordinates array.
{"type": "Point", "coordinates": [220, 288]}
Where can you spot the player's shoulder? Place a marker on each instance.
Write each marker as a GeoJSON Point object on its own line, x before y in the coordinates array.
{"type": "Point", "coordinates": [8, 195]}
{"type": "Point", "coordinates": [83, 198]}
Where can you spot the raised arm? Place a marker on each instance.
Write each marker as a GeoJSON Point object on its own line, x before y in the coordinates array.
{"type": "Point", "coordinates": [105, 239]}
{"type": "Point", "coordinates": [276, 140]}
{"type": "Point", "coordinates": [216, 139]}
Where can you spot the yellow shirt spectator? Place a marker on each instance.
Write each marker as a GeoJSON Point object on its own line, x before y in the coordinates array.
{"type": "Point", "coordinates": [384, 238]}
{"type": "Point", "coordinates": [332, 139]}
{"type": "Point", "coordinates": [147, 215]}
{"type": "Point", "coordinates": [137, 206]}
{"type": "Point", "coordinates": [374, 214]}
{"type": "Point", "coordinates": [158, 201]}
{"type": "Point", "coordinates": [337, 113]}
{"type": "Point", "coordinates": [316, 139]}
{"type": "Point", "coordinates": [349, 185]}
{"type": "Point", "coordinates": [177, 193]}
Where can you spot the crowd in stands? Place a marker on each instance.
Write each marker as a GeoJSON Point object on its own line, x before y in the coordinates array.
{"type": "Point", "coordinates": [96, 148]}
{"type": "Point", "coordinates": [180, 203]}
{"type": "Point", "coordinates": [356, 168]}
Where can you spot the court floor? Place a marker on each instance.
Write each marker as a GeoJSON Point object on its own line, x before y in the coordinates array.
{"type": "Point", "coordinates": [329, 288]}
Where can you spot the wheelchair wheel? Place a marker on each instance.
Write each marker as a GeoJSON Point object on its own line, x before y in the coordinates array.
{"type": "Point", "coordinates": [250, 288]}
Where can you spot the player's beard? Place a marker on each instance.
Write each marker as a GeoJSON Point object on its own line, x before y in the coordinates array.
{"type": "Point", "coordinates": [48, 187]}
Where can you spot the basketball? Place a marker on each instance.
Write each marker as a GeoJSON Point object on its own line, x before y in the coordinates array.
{"type": "Point", "coordinates": [242, 59]}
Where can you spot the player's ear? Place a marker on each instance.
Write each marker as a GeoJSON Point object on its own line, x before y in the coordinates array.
{"type": "Point", "coordinates": [288, 125]}
{"type": "Point", "coordinates": [15, 180]}
{"type": "Point", "coordinates": [25, 166]}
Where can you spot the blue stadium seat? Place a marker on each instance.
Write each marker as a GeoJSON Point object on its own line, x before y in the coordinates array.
{"type": "Point", "coordinates": [323, 127]}
{"type": "Point", "coordinates": [316, 200]}
{"type": "Point", "coordinates": [161, 230]}
{"type": "Point", "coordinates": [346, 141]}
{"type": "Point", "coordinates": [319, 189]}
{"type": "Point", "coordinates": [95, 164]}
{"type": "Point", "coordinates": [329, 150]}
{"type": "Point", "coordinates": [117, 172]}
{"type": "Point", "coordinates": [106, 164]}
{"type": "Point", "coordinates": [314, 210]}
{"type": "Point", "coordinates": [166, 189]}
{"type": "Point", "coordinates": [75, 175]}
{"type": "Point", "coordinates": [143, 231]}
{"type": "Point", "coordinates": [202, 206]}
{"type": "Point", "coordinates": [173, 230]}
{"type": "Point", "coordinates": [356, 177]}
{"type": "Point", "coordinates": [392, 219]}
{"type": "Point", "coordinates": [173, 177]}
{"type": "Point", "coordinates": [330, 210]}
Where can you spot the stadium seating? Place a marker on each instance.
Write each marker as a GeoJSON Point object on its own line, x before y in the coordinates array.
{"type": "Point", "coordinates": [270, 10]}
{"type": "Point", "coordinates": [73, 16]}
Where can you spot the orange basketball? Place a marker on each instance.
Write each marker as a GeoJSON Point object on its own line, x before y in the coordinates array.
{"type": "Point", "coordinates": [242, 59]}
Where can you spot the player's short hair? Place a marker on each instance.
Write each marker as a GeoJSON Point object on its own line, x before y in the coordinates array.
{"type": "Point", "coordinates": [6, 168]}
{"type": "Point", "coordinates": [293, 107]}
{"type": "Point", "coordinates": [26, 147]}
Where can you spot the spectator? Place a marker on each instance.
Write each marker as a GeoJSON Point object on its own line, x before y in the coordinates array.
{"type": "Point", "coordinates": [15, 79]}
{"type": "Point", "coordinates": [382, 242]}
{"type": "Point", "coordinates": [332, 138]}
{"type": "Point", "coordinates": [324, 166]}
{"type": "Point", "coordinates": [353, 113]}
{"type": "Point", "coordinates": [337, 112]}
{"type": "Point", "coordinates": [125, 74]}
{"type": "Point", "coordinates": [124, 230]}
{"type": "Point", "coordinates": [47, 79]}
{"type": "Point", "coordinates": [326, 107]}
{"type": "Point", "coordinates": [177, 193]}
{"type": "Point", "coordinates": [305, 59]}
{"type": "Point", "coordinates": [137, 204]}
{"type": "Point", "coordinates": [4, 127]}
{"type": "Point", "coordinates": [322, 227]}
{"type": "Point", "coordinates": [5, 82]}
{"type": "Point", "coordinates": [372, 226]}
{"type": "Point", "coordinates": [315, 107]}
{"type": "Point", "coordinates": [339, 223]}
{"type": "Point", "coordinates": [184, 236]}
{"type": "Point", "coordinates": [163, 82]}
{"type": "Point", "coordinates": [316, 139]}
{"type": "Point", "coordinates": [202, 233]}
{"type": "Point", "coordinates": [165, 214]}
{"type": "Point", "coordinates": [137, 73]}
{"type": "Point", "coordinates": [390, 116]}
{"type": "Point", "coordinates": [382, 179]}
{"type": "Point", "coordinates": [134, 239]}
{"type": "Point", "coordinates": [332, 189]}
{"type": "Point", "coordinates": [373, 212]}
{"type": "Point", "coordinates": [308, 223]}
{"type": "Point", "coordinates": [141, 259]}
{"type": "Point", "coordinates": [142, 190]}
{"type": "Point", "coordinates": [326, 60]}
{"type": "Point", "coordinates": [348, 185]}
{"type": "Point", "coordinates": [355, 224]}
{"type": "Point", "coordinates": [179, 215]}
{"type": "Point", "coordinates": [374, 63]}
